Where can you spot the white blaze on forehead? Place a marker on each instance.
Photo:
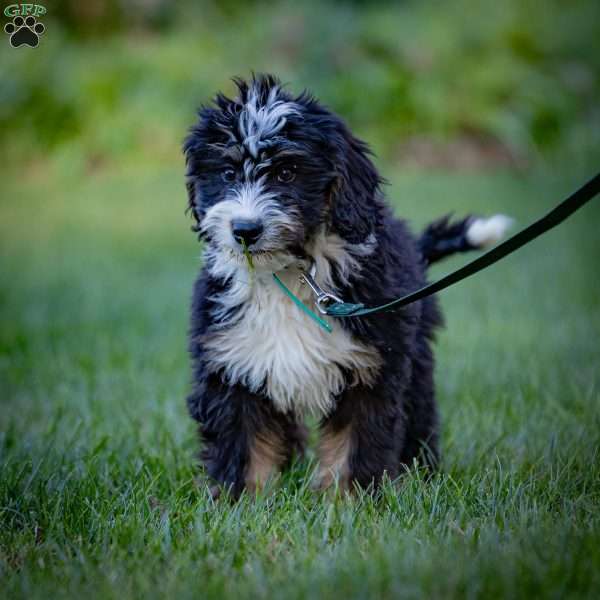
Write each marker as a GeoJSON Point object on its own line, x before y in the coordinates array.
{"type": "Point", "coordinates": [252, 199]}
{"type": "Point", "coordinates": [257, 124]}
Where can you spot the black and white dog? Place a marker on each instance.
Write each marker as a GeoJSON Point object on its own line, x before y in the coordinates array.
{"type": "Point", "coordinates": [283, 177]}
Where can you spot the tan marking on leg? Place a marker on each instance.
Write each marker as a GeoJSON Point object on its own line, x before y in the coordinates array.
{"type": "Point", "coordinates": [267, 454]}
{"type": "Point", "coordinates": [334, 454]}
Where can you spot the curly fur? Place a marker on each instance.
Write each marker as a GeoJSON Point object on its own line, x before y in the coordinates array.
{"type": "Point", "coordinates": [259, 364]}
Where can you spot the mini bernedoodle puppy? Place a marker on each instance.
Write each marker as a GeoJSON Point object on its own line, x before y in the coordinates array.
{"type": "Point", "coordinates": [279, 182]}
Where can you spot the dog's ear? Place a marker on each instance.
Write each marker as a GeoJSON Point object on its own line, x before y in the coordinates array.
{"type": "Point", "coordinates": [192, 203]}
{"type": "Point", "coordinates": [209, 132]}
{"type": "Point", "coordinates": [194, 147]}
{"type": "Point", "coordinates": [354, 208]}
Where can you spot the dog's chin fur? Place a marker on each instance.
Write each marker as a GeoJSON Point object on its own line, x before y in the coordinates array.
{"type": "Point", "coordinates": [232, 263]}
{"type": "Point", "coordinates": [260, 363]}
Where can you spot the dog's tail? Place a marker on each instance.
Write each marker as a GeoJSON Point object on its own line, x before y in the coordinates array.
{"type": "Point", "coordinates": [443, 237]}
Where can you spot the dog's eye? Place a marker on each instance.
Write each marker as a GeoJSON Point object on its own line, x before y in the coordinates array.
{"type": "Point", "coordinates": [228, 175]}
{"type": "Point", "coordinates": [286, 175]}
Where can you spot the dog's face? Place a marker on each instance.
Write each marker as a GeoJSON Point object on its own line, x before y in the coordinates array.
{"type": "Point", "coordinates": [266, 171]}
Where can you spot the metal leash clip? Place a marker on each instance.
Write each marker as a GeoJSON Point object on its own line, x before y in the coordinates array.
{"type": "Point", "coordinates": [322, 298]}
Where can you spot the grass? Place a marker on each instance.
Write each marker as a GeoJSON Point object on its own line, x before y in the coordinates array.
{"type": "Point", "coordinates": [97, 473]}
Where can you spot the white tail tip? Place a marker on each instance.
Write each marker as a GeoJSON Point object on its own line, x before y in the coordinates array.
{"type": "Point", "coordinates": [484, 232]}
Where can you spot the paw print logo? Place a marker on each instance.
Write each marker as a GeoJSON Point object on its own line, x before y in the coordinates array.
{"type": "Point", "coordinates": [24, 31]}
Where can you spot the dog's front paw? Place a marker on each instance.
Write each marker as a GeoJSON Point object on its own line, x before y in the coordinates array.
{"type": "Point", "coordinates": [330, 481]}
{"type": "Point", "coordinates": [215, 491]}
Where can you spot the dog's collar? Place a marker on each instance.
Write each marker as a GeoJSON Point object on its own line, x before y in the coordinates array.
{"type": "Point", "coordinates": [315, 288]}
{"type": "Point", "coordinates": [322, 298]}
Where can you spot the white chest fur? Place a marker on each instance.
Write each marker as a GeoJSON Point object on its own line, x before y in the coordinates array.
{"type": "Point", "coordinates": [272, 346]}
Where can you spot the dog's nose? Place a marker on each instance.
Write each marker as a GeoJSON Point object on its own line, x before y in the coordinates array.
{"type": "Point", "coordinates": [246, 231]}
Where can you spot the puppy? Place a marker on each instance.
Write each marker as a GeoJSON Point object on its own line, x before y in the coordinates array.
{"type": "Point", "coordinates": [278, 184]}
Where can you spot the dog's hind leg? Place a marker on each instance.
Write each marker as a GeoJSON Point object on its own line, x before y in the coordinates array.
{"type": "Point", "coordinates": [420, 414]}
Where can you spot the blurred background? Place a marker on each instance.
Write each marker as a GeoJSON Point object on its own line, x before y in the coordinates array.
{"type": "Point", "coordinates": [472, 107]}
{"type": "Point", "coordinates": [451, 85]}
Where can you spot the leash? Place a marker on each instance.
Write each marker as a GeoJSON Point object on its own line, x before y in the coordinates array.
{"type": "Point", "coordinates": [556, 216]}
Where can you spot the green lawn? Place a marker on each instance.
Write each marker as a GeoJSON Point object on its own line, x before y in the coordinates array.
{"type": "Point", "coordinates": [97, 454]}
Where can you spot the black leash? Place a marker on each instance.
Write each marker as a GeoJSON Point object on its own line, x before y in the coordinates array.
{"type": "Point", "coordinates": [555, 217]}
